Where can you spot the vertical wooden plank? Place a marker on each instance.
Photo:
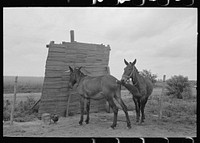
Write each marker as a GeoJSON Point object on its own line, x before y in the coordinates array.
{"type": "Point", "coordinates": [14, 100]}
{"type": "Point", "coordinates": [72, 35]}
{"type": "Point", "coordinates": [161, 98]}
{"type": "Point", "coordinates": [68, 104]}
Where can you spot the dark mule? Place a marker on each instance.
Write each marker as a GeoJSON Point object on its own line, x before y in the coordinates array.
{"type": "Point", "coordinates": [143, 84]}
{"type": "Point", "coordinates": [97, 88]}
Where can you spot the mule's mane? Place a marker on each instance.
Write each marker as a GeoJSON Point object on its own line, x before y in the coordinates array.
{"type": "Point", "coordinates": [80, 73]}
{"type": "Point", "coordinates": [137, 70]}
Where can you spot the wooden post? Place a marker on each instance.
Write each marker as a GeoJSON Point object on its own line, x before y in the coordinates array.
{"type": "Point", "coordinates": [14, 100]}
{"type": "Point", "coordinates": [72, 35]}
{"type": "Point", "coordinates": [68, 102]}
{"type": "Point", "coordinates": [161, 98]}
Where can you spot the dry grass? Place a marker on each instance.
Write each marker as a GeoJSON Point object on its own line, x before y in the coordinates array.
{"type": "Point", "coordinates": [23, 112]}
{"type": "Point", "coordinates": [21, 96]}
{"type": "Point", "coordinates": [179, 119]}
{"type": "Point", "coordinates": [174, 110]}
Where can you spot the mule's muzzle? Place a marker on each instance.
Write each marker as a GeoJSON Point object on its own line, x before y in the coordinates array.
{"type": "Point", "coordinates": [120, 82]}
{"type": "Point", "coordinates": [72, 85]}
{"type": "Point", "coordinates": [125, 79]}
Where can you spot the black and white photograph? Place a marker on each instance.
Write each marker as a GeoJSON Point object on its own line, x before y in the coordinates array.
{"type": "Point", "coordinates": [99, 72]}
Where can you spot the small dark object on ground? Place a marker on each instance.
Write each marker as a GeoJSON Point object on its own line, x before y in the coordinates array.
{"type": "Point", "coordinates": [47, 118]}
{"type": "Point", "coordinates": [54, 117]}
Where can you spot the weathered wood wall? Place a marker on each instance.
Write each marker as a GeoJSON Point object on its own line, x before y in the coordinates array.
{"type": "Point", "coordinates": [93, 58]}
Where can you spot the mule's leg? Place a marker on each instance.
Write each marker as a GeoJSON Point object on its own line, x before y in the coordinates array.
{"type": "Point", "coordinates": [136, 109]}
{"type": "Point", "coordinates": [115, 111]}
{"type": "Point", "coordinates": [82, 110]}
{"type": "Point", "coordinates": [143, 103]}
{"type": "Point", "coordinates": [87, 110]}
{"type": "Point", "coordinates": [139, 107]}
{"type": "Point", "coordinates": [124, 108]}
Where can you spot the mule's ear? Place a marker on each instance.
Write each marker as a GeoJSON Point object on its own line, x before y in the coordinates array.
{"type": "Point", "coordinates": [71, 70]}
{"type": "Point", "coordinates": [126, 62]}
{"type": "Point", "coordinates": [134, 62]}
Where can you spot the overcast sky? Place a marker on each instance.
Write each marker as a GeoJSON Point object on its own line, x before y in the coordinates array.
{"type": "Point", "coordinates": [163, 40]}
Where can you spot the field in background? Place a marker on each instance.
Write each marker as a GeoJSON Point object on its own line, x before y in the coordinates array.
{"type": "Point", "coordinates": [25, 84]}
{"type": "Point", "coordinates": [21, 96]}
{"type": "Point", "coordinates": [34, 84]}
{"type": "Point", "coordinates": [32, 87]}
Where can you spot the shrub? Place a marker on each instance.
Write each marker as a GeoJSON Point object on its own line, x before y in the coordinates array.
{"type": "Point", "coordinates": [6, 115]}
{"type": "Point", "coordinates": [178, 86]}
{"type": "Point", "coordinates": [6, 110]}
{"type": "Point", "coordinates": [22, 110]}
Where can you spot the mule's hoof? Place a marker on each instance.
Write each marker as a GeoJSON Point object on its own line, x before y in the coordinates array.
{"type": "Point", "coordinates": [80, 123]}
{"type": "Point", "coordinates": [128, 127]}
{"type": "Point", "coordinates": [110, 128]}
{"type": "Point", "coordinates": [141, 122]}
{"type": "Point", "coordinates": [87, 122]}
{"type": "Point", "coordinates": [113, 126]}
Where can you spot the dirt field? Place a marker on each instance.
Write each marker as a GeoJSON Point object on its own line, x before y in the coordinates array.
{"type": "Point", "coordinates": [99, 126]}
{"type": "Point", "coordinates": [175, 123]}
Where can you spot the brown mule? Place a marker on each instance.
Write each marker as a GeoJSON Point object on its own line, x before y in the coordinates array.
{"type": "Point", "coordinates": [97, 88]}
{"type": "Point", "coordinates": [143, 85]}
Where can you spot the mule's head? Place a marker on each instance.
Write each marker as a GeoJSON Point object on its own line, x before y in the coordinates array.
{"type": "Point", "coordinates": [129, 70]}
{"type": "Point", "coordinates": [74, 76]}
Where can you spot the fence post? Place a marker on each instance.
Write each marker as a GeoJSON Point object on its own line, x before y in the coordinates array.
{"type": "Point", "coordinates": [107, 104]}
{"type": "Point", "coordinates": [68, 102]}
{"type": "Point", "coordinates": [161, 98]}
{"type": "Point", "coordinates": [14, 100]}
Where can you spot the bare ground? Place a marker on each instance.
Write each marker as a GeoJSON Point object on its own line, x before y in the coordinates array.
{"type": "Point", "coordinates": [99, 126]}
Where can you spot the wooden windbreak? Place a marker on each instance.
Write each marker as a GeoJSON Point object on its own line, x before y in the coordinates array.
{"type": "Point", "coordinates": [93, 58]}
